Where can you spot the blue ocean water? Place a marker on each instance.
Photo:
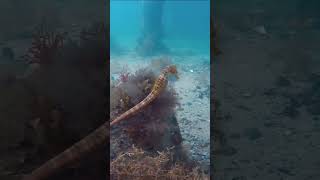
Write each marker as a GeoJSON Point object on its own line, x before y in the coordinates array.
{"type": "Point", "coordinates": [185, 34]}
{"type": "Point", "coordinates": [186, 24]}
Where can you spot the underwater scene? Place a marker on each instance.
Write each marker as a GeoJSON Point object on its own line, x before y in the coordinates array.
{"type": "Point", "coordinates": [160, 89]}
{"type": "Point", "coordinates": [53, 61]}
{"type": "Point", "coordinates": [267, 80]}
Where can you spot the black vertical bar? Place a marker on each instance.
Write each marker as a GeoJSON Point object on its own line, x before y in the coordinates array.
{"type": "Point", "coordinates": [212, 89]}
{"type": "Point", "coordinates": [107, 157]}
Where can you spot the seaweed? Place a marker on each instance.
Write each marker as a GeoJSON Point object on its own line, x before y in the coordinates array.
{"type": "Point", "coordinates": [45, 45]}
{"type": "Point", "coordinates": [148, 127]}
{"type": "Point", "coordinates": [137, 164]}
{"type": "Point", "coordinates": [74, 82]}
{"type": "Point", "coordinates": [124, 75]}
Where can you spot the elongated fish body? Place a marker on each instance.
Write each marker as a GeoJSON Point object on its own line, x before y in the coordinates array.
{"type": "Point", "coordinates": [100, 135]}
{"type": "Point", "coordinates": [72, 154]}
{"type": "Point", "coordinates": [158, 87]}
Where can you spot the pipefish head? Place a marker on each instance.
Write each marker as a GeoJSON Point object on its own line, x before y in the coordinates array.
{"type": "Point", "coordinates": [172, 70]}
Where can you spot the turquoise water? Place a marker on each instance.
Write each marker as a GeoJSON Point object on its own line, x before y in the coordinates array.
{"type": "Point", "coordinates": [185, 24]}
{"type": "Point", "coordinates": [185, 34]}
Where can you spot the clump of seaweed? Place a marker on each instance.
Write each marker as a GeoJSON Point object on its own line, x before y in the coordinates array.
{"type": "Point", "coordinates": [137, 164]}
{"type": "Point", "coordinates": [123, 75]}
{"type": "Point", "coordinates": [119, 101]}
{"type": "Point", "coordinates": [148, 127]}
{"type": "Point", "coordinates": [75, 81]}
{"type": "Point", "coordinates": [44, 46]}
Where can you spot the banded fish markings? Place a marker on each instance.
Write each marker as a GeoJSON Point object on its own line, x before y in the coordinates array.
{"type": "Point", "coordinates": [101, 134]}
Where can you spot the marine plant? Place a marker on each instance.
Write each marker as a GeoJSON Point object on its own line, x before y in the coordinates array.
{"type": "Point", "coordinates": [74, 64]}
{"type": "Point", "coordinates": [100, 136]}
{"type": "Point", "coordinates": [124, 75]}
{"type": "Point", "coordinates": [149, 124]}
{"type": "Point", "coordinates": [137, 164]}
{"type": "Point", "coordinates": [45, 45]}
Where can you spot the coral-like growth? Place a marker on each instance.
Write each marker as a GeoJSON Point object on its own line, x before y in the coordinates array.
{"type": "Point", "coordinates": [45, 45]}
{"type": "Point", "coordinates": [137, 164]}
